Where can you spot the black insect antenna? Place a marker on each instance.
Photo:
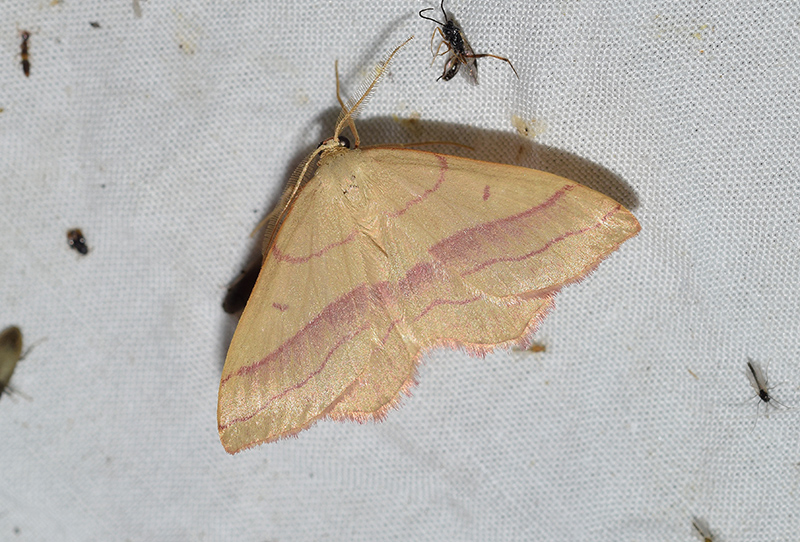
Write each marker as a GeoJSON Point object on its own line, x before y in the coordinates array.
{"type": "Point", "coordinates": [446, 20]}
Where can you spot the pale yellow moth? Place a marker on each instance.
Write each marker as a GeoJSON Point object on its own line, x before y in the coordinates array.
{"type": "Point", "coordinates": [385, 253]}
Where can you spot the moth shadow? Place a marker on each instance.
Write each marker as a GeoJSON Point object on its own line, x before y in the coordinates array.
{"type": "Point", "coordinates": [504, 147]}
{"type": "Point", "coordinates": [499, 146]}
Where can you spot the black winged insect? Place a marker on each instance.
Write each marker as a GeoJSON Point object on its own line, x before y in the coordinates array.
{"type": "Point", "coordinates": [461, 52]}
{"type": "Point", "coordinates": [758, 380]}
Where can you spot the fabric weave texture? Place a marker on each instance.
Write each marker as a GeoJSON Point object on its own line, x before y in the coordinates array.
{"type": "Point", "coordinates": [166, 138]}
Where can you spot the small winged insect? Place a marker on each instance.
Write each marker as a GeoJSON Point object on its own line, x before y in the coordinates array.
{"type": "Point", "coordinates": [758, 380]}
{"type": "Point", "coordinates": [23, 47]}
{"type": "Point", "coordinates": [10, 354]}
{"type": "Point", "coordinates": [77, 241]}
{"type": "Point", "coordinates": [702, 529]}
{"type": "Point", "coordinates": [458, 47]}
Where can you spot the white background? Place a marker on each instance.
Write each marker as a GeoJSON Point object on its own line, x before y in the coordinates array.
{"type": "Point", "coordinates": [167, 137]}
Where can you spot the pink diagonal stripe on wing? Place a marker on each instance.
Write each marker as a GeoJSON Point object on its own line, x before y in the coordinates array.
{"type": "Point", "coordinates": [341, 313]}
{"type": "Point", "coordinates": [346, 338]}
{"type": "Point", "coordinates": [546, 246]}
{"type": "Point", "coordinates": [281, 257]}
{"type": "Point", "coordinates": [428, 192]}
{"type": "Point", "coordinates": [437, 302]}
{"type": "Point", "coordinates": [461, 246]}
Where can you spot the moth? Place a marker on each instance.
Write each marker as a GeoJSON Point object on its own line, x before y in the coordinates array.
{"type": "Point", "coordinates": [375, 256]}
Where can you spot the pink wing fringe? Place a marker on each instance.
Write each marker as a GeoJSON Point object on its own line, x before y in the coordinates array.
{"type": "Point", "coordinates": [358, 296]}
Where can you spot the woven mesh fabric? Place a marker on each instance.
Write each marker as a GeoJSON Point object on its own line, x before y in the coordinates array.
{"type": "Point", "coordinates": [166, 138]}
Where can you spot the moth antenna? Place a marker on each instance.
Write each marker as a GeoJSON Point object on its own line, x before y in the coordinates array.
{"type": "Point", "coordinates": [349, 113]}
{"type": "Point", "coordinates": [344, 109]}
{"type": "Point", "coordinates": [275, 219]}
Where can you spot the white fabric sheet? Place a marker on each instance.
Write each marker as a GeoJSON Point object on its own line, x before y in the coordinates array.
{"type": "Point", "coordinates": [167, 137]}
